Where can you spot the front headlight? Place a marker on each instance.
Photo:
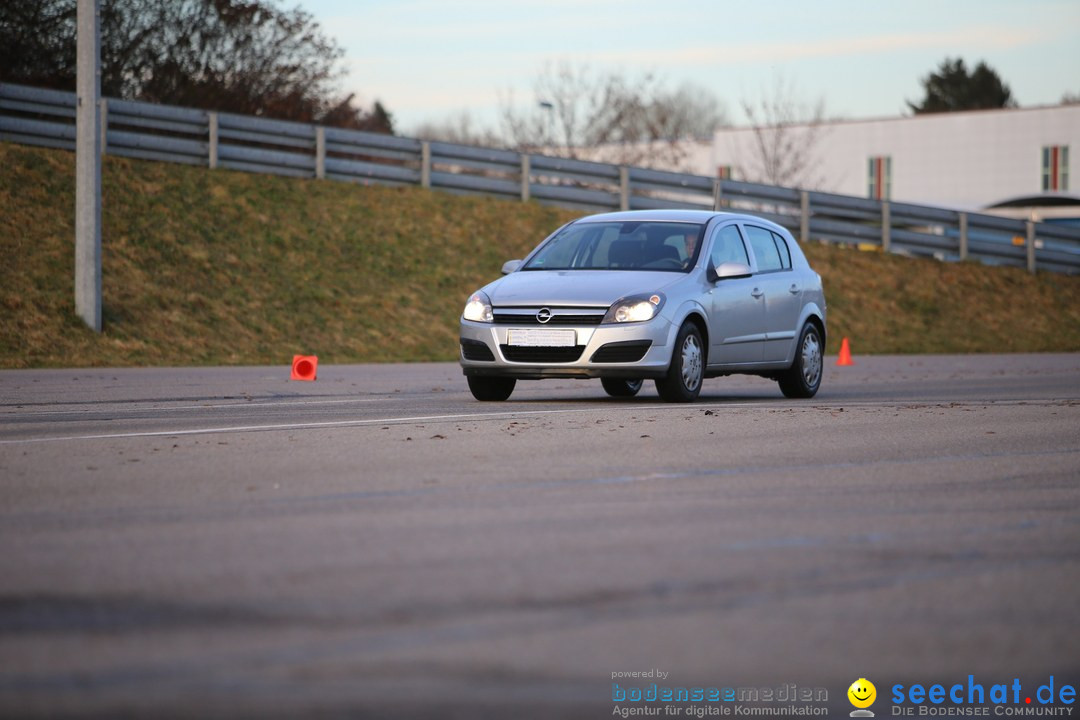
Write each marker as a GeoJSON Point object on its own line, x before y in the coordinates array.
{"type": "Point", "coordinates": [478, 309]}
{"type": "Point", "coordinates": [636, 308]}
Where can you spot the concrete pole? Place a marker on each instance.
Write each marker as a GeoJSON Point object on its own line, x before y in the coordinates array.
{"type": "Point", "coordinates": [624, 188]}
{"type": "Point", "coordinates": [526, 177]}
{"type": "Point", "coordinates": [425, 164]}
{"type": "Point", "coordinates": [320, 152]}
{"type": "Point", "coordinates": [963, 236]}
{"type": "Point", "coordinates": [886, 226]}
{"type": "Point", "coordinates": [212, 149]}
{"type": "Point", "coordinates": [104, 104]}
{"type": "Point", "coordinates": [88, 167]}
{"type": "Point", "coordinates": [1031, 247]}
{"type": "Point", "coordinates": [804, 217]}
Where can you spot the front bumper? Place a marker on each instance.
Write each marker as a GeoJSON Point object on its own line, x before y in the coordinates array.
{"type": "Point", "coordinates": [601, 351]}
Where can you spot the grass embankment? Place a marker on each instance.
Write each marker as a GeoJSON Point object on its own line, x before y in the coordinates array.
{"type": "Point", "coordinates": [217, 267]}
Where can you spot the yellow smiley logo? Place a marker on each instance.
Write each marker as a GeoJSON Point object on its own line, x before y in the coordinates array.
{"type": "Point", "coordinates": [862, 693]}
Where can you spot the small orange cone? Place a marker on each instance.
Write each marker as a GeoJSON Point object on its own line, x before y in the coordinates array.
{"type": "Point", "coordinates": [304, 367]}
{"type": "Point", "coordinates": [845, 354]}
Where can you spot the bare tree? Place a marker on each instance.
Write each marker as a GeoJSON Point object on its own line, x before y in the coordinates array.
{"type": "Point", "coordinates": [579, 113]}
{"type": "Point", "coordinates": [243, 56]}
{"type": "Point", "coordinates": [787, 132]}
{"type": "Point", "coordinates": [461, 128]}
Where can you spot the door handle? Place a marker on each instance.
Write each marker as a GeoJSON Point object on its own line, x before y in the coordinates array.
{"type": "Point", "coordinates": [756, 292]}
{"type": "Point", "coordinates": [794, 289]}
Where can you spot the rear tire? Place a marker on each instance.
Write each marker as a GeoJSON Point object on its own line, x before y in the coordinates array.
{"type": "Point", "coordinates": [683, 380]}
{"type": "Point", "coordinates": [803, 378]}
{"type": "Point", "coordinates": [491, 389]}
{"type": "Point", "coordinates": [618, 387]}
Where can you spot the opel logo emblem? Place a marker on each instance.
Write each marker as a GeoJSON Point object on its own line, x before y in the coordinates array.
{"type": "Point", "coordinates": [543, 316]}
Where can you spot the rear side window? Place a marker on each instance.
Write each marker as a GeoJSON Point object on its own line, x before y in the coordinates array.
{"type": "Point", "coordinates": [785, 252]}
{"type": "Point", "coordinates": [765, 250]}
{"type": "Point", "coordinates": [728, 247]}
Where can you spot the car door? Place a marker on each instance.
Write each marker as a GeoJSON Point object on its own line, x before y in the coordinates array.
{"type": "Point", "coordinates": [736, 305]}
{"type": "Point", "coordinates": [783, 295]}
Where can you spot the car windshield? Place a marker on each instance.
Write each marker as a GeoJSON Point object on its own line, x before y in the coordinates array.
{"type": "Point", "coordinates": [664, 246]}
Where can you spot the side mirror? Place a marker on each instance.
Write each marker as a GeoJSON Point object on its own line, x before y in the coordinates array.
{"type": "Point", "coordinates": [728, 271]}
{"type": "Point", "coordinates": [510, 266]}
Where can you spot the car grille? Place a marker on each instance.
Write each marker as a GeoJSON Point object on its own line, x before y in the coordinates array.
{"type": "Point", "coordinates": [518, 353]}
{"type": "Point", "coordinates": [559, 316]}
{"type": "Point", "coordinates": [622, 352]}
{"type": "Point", "coordinates": [476, 350]}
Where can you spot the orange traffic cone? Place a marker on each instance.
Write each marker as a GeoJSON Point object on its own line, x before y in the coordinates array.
{"type": "Point", "coordinates": [845, 354]}
{"type": "Point", "coordinates": [304, 367]}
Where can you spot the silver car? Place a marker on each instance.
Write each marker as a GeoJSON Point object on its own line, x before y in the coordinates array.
{"type": "Point", "coordinates": [675, 296]}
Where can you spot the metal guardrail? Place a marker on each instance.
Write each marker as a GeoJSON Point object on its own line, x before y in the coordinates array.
{"type": "Point", "coordinates": [197, 137]}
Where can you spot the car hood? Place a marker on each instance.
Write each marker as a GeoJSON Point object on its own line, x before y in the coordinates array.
{"type": "Point", "coordinates": [582, 288]}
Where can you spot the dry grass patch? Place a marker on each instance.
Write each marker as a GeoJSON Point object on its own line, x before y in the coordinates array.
{"type": "Point", "coordinates": [216, 267]}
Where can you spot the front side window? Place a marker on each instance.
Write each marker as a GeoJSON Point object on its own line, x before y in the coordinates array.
{"type": "Point", "coordinates": [768, 256]}
{"type": "Point", "coordinates": [662, 246]}
{"type": "Point", "coordinates": [728, 247]}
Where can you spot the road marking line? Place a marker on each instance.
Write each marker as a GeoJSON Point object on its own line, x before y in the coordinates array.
{"type": "Point", "coordinates": [375, 421]}
{"type": "Point", "coordinates": [734, 404]}
{"type": "Point", "coordinates": [104, 408]}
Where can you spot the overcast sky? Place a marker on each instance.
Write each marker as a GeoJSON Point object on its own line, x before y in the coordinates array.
{"type": "Point", "coordinates": [428, 59]}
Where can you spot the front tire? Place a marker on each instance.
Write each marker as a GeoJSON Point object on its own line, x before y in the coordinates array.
{"type": "Point", "coordinates": [803, 378]}
{"type": "Point", "coordinates": [618, 387]}
{"type": "Point", "coordinates": [683, 380]}
{"type": "Point", "coordinates": [491, 389]}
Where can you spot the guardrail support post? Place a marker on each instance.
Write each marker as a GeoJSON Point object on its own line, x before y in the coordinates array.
{"type": "Point", "coordinates": [1031, 247]}
{"type": "Point", "coordinates": [886, 226]}
{"type": "Point", "coordinates": [212, 121]}
{"type": "Point", "coordinates": [624, 187]}
{"type": "Point", "coordinates": [104, 126]}
{"type": "Point", "coordinates": [425, 164]}
{"type": "Point", "coordinates": [526, 171]}
{"type": "Point", "coordinates": [804, 217]}
{"type": "Point", "coordinates": [320, 152]}
{"type": "Point", "coordinates": [717, 194]}
{"type": "Point", "coordinates": [963, 236]}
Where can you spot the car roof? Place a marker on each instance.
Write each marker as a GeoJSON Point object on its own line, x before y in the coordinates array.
{"type": "Point", "coordinates": [694, 216]}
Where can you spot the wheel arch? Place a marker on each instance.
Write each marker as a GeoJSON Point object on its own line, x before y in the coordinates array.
{"type": "Point", "coordinates": [695, 317]}
{"type": "Point", "coordinates": [813, 314]}
{"type": "Point", "coordinates": [820, 325]}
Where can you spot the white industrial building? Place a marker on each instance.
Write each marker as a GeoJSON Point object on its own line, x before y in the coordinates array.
{"type": "Point", "coordinates": [963, 160]}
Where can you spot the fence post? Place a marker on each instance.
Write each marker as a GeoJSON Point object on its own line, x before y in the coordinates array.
{"type": "Point", "coordinates": [717, 194]}
{"type": "Point", "coordinates": [963, 236]}
{"type": "Point", "coordinates": [526, 171]}
{"type": "Point", "coordinates": [886, 226]}
{"type": "Point", "coordinates": [624, 187]}
{"type": "Point", "coordinates": [212, 119]}
{"type": "Point", "coordinates": [104, 126]}
{"type": "Point", "coordinates": [320, 152]}
{"type": "Point", "coordinates": [804, 216]}
{"type": "Point", "coordinates": [425, 164]}
{"type": "Point", "coordinates": [1031, 247]}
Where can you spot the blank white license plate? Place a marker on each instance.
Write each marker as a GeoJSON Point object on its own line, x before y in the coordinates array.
{"type": "Point", "coordinates": [541, 337]}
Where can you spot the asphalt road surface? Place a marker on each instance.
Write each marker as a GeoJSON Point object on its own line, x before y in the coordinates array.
{"type": "Point", "coordinates": [222, 542]}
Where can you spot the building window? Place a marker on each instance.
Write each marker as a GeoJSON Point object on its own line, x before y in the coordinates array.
{"type": "Point", "coordinates": [1055, 168]}
{"type": "Point", "coordinates": [879, 177]}
{"type": "Point", "coordinates": [723, 172]}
